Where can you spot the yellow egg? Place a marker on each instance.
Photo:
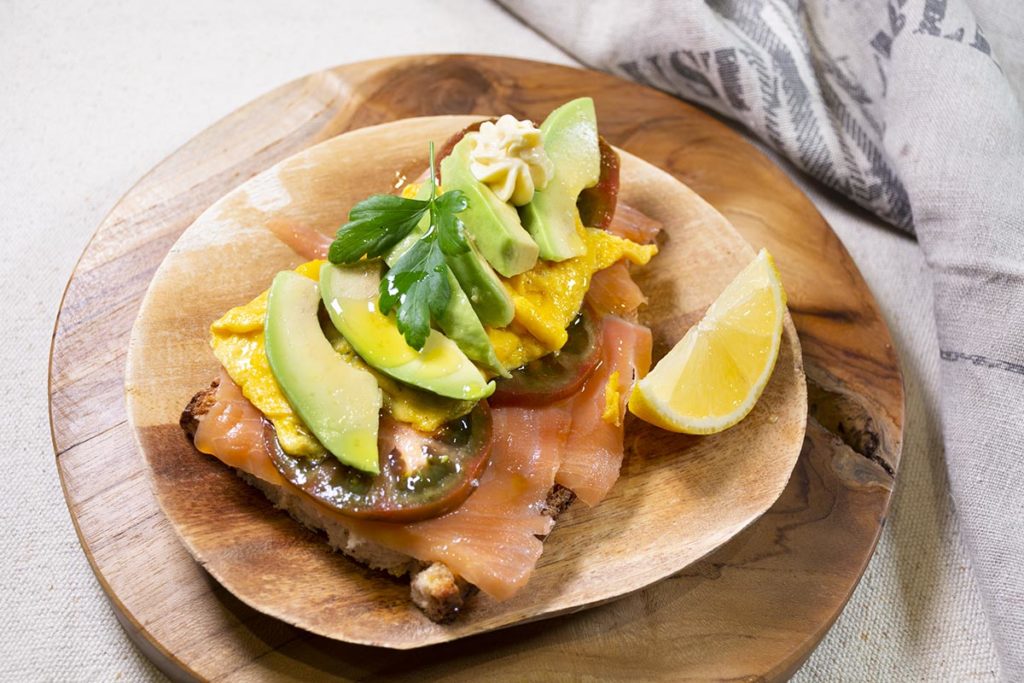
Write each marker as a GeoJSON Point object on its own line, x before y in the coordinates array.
{"type": "Point", "coordinates": [612, 400]}
{"type": "Point", "coordinates": [237, 341]}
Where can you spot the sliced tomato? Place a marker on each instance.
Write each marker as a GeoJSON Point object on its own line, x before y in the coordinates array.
{"type": "Point", "coordinates": [557, 375]}
{"type": "Point", "coordinates": [597, 203]}
{"type": "Point", "coordinates": [421, 475]}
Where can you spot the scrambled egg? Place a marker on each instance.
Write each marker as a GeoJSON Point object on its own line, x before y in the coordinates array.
{"type": "Point", "coordinates": [548, 296]}
{"type": "Point", "coordinates": [514, 345]}
{"type": "Point", "coordinates": [612, 400]}
{"type": "Point", "coordinates": [237, 341]}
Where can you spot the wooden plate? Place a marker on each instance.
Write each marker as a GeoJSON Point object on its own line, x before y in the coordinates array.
{"type": "Point", "coordinates": [754, 608]}
{"type": "Point", "coordinates": [677, 499]}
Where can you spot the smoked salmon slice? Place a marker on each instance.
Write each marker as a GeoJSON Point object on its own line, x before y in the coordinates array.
{"type": "Point", "coordinates": [232, 430]}
{"type": "Point", "coordinates": [591, 465]}
{"type": "Point", "coordinates": [634, 225]}
{"type": "Point", "coordinates": [614, 292]}
{"type": "Point", "coordinates": [308, 243]}
{"type": "Point", "coordinates": [491, 540]}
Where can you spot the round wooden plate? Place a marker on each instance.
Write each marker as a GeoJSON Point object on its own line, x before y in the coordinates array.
{"type": "Point", "coordinates": [755, 607]}
{"type": "Point", "coordinates": [677, 497]}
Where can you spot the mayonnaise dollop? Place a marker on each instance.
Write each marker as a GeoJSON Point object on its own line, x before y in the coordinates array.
{"type": "Point", "coordinates": [509, 158]}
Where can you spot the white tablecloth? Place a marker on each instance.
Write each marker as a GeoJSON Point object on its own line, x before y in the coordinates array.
{"type": "Point", "coordinates": [93, 97]}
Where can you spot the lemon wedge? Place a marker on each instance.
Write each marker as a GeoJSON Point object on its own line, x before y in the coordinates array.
{"type": "Point", "coordinates": [714, 375]}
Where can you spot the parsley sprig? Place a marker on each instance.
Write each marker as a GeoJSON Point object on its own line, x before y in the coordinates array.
{"type": "Point", "coordinates": [416, 287]}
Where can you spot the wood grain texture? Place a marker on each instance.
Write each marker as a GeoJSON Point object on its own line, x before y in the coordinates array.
{"type": "Point", "coordinates": [754, 608]}
{"type": "Point", "coordinates": [678, 497]}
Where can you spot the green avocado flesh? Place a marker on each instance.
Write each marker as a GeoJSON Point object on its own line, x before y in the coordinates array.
{"type": "Point", "coordinates": [339, 403]}
{"type": "Point", "coordinates": [461, 322]}
{"type": "Point", "coordinates": [493, 224]}
{"type": "Point", "coordinates": [350, 296]}
{"type": "Point", "coordinates": [486, 293]}
{"type": "Point", "coordinates": [570, 140]}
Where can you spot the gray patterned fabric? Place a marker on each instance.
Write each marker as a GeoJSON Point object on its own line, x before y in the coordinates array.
{"type": "Point", "coordinates": [912, 110]}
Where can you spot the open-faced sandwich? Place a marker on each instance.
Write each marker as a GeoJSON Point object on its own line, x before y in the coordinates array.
{"type": "Point", "coordinates": [442, 379]}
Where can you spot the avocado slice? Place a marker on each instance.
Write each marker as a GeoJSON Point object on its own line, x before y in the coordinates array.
{"type": "Point", "coordinates": [494, 225]}
{"type": "Point", "coordinates": [476, 291]}
{"type": "Point", "coordinates": [339, 403]}
{"type": "Point", "coordinates": [350, 296]}
{"type": "Point", "coordinates": [460, 323]}
{"type": "Point", "coordinates": [486, 293]}
{"type": "Point", "coordinates": [570, 140]}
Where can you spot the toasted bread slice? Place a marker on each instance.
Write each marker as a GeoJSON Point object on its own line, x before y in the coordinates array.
{"type": "Point", "coordinates": [434, 588]}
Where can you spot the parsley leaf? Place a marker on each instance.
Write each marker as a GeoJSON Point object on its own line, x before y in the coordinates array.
{"type": "Point", "coordinates": [417, 285]}
{"type": "Point", "coordinates": [375, 225]}
{"type": "Point", "coordinates": [451, 232]}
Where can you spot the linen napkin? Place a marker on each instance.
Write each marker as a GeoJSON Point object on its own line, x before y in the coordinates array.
{"type": "Point", "coordinates": [908, 108]}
